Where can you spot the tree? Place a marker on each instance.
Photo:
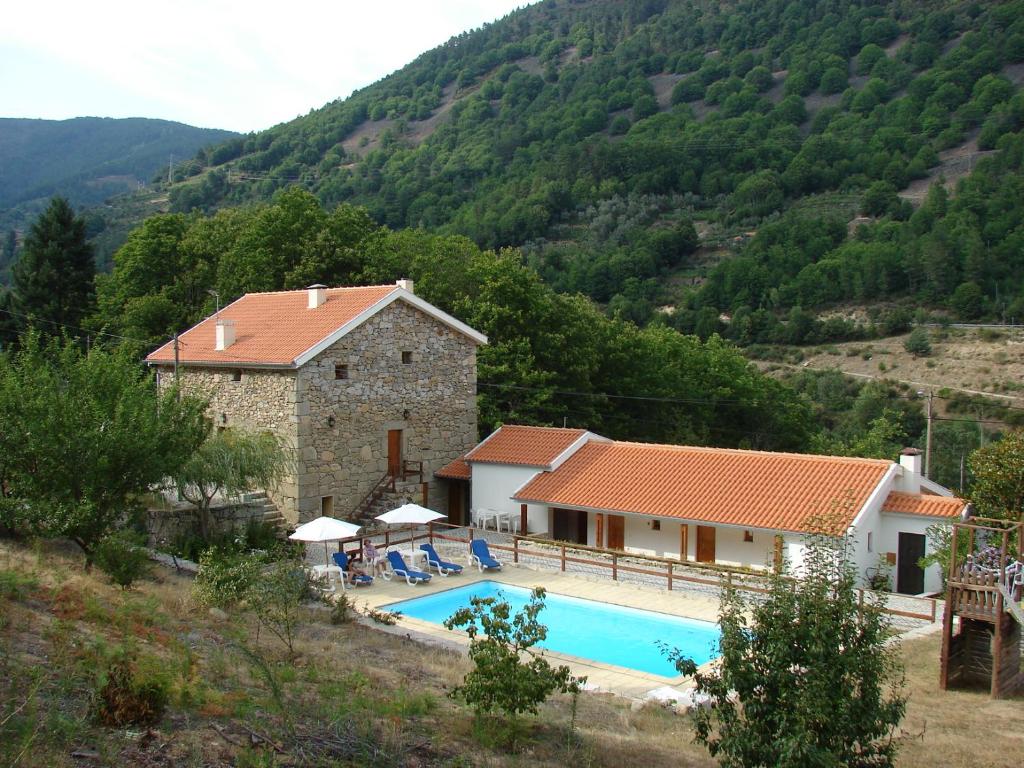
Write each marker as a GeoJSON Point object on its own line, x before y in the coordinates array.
{"type": "Point", "coordinates": [968, 301]}
{"type": "Point", "coordinates": [10, 246]}
{"type": "Point", "coordinates": [53, 278]}
{"type": "Point", "coordinates": [998, 471]}
{"type": "Point", "coordinates": [501, 679]}
{"type": "Point", "coordinates": [917, 343]}
{"type": "Point", "coordinates": [808, 679]}
{"type": "Point", "coordinates": [82, 436]}
{"type": "Point", "coordinates": [229, 462]}
{"type": "Point", "coordinates": [879, 199]}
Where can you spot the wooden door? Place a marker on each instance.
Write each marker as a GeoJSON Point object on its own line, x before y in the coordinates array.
{"type": "Point", "coordinates": [705, 544]}
{"type": "Point", "coordinates": [910, 575]}
{"type": "Point", "coordinates": [616, 532]}
{"type": "Point", "coordinates": [599, 530]}
{"type": "Point", "coordinates": [395, 452]}
{"type": "Point", "coordinates": [684, 542]}
{"type": "Point", "coordinates": [456, 501]}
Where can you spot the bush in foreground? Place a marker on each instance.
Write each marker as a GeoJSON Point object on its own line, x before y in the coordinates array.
{"type": "Point", "coordinates": [121, 557]}
{"type": "Point", "coordinates": [501, 679]}
{"type": "Point", "coordinates": [808, 678]}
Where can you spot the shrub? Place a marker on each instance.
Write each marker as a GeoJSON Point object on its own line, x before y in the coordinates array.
{"type": "Point", "coordinates": [131, 692]}
{"type": "Point", "coordinates": [122, 557]}
{"type": "Point", "coordinates": [507, 674]}
{"type": "Point", "coordinates": [341, 612]}
{"type": "Point", "coordinates": [225, 575]}
{"type": "Point", "coordinates": [276, 598]}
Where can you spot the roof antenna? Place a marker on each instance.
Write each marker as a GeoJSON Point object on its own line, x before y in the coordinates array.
{"type": "Point", "coordinates": [217, 297]}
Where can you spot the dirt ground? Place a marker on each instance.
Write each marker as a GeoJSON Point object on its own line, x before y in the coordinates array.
{"type": "Point", "coordinates": [969, 360]}
{"type": "Point", "coordinates": [351, 696]}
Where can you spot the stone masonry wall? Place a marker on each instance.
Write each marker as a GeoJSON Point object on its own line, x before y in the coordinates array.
{"type": "Point", "coordinates": [261, 400]}
{"type": "Point", "coordinates": [432, 399]}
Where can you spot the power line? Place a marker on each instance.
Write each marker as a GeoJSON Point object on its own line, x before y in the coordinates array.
{"type": "Point", "coordinates": [86, 331]}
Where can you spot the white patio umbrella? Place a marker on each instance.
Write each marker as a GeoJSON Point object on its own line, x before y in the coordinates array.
{"type": "Point", "coordinates": [325, 529]}
{"type": "Point", "coordinates": [410, 514]}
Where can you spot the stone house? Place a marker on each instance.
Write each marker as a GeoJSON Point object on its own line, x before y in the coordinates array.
{"type": "Point", "coordinates": [363, 384]}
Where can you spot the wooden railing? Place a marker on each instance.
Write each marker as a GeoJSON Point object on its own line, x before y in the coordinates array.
{"type": "Point", "coordinates": [615, 563]}
{"type": "Point", "coordinates": [386, 483]}
{"type": "Point", "coordinates": [985, 590]}
{"type": "Point", "coordinates": [410, 468]}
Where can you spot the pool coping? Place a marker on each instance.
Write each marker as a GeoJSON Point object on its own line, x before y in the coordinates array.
{"type": "Point", "coordinates": [601, 677]}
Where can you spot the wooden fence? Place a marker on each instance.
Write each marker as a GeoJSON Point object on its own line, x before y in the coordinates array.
{"type": "Point", "coordinates": [674, 572]}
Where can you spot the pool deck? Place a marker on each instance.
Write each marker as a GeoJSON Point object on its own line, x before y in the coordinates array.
{"type": "Point", "coordinates": [601, 677]}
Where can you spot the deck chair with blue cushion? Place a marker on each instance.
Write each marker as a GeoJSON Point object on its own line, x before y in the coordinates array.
{"type": "Point", "coordinates": [481, 556]}
{"type": "Point", "coordinates": [347, 575]}
{"type": "Point", "coordinates": [435, 561]}
{"type": "Point", "coordinates": [398, 566]}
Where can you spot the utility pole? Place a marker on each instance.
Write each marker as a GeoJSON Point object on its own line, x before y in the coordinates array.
{"type": "Point", "coordinates": [170, 167]}
{"type": "Point", "coordinates": [176, 382]}
{"type": "Point", "coordinates": [928, 440]}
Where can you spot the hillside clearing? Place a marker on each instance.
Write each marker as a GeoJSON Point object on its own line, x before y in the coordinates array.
{"type": "Point", "coordinates": [971, 361]}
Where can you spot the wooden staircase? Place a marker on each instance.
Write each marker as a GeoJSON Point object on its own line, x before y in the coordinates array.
{"type": "Point", "coordinates": [984, 618]}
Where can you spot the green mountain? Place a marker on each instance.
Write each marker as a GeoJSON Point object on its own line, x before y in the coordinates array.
{"type": "Point", "coordinates": [86, 159]}
{"type": "Point", "coordinates": [603, 137]}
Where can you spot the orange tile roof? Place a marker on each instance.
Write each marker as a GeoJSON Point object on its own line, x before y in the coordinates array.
{"type": "Point", "coordinates": [526, 446]}
{"type": "Point", "coordinates": [925, 505]}
{"type": "Point", "coordinates": [455, 470]}
{"type": "Point", "coordinates": [273, 328]}
{"type": "Point", "coordinates": [778, 491]}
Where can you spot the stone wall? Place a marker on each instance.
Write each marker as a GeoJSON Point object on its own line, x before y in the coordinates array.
{"type": "Point", "coordinates": [166, 526]}
{"type": "Point", "coordinates": [431, 398]}
{"type": "Point", "coordinates": [262, 399]}
{"type": "Point", "coordinates": [338, 428]}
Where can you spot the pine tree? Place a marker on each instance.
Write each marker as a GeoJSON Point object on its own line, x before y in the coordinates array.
{"type": "Point", "coordinates": [54, 279]}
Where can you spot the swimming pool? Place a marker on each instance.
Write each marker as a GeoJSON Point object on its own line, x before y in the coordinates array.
{"type": "Point", "coordinates": [610, 634]}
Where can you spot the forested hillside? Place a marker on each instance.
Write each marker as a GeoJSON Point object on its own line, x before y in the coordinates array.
{"type": "Point", "coordinates": [86, 160]}
{"type": "Point", "coordinates": [702, 156]}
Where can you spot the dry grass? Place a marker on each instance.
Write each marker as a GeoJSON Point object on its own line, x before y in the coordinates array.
{"type": "Point", "coordinates": [956, 728]}
{"type": "Point", "coordinates": [375, 699]}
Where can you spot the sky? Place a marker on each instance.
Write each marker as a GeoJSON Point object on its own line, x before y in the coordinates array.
{"type": "Point", "coordinates": [240, 65]}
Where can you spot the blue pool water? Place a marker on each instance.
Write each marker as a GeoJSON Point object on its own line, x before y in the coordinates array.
{"type": "Point", "coordinates": [625, 637]}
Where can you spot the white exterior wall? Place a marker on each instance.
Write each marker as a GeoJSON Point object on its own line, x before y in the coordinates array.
{"type": "Point", "coordinates": [868, 521]}
{"type": "Point", "coordinates": [494, 485]}
{"type": "Point", "coordinates": [891, 525]}
{"type": "Point", "coordinates": [731, 549]}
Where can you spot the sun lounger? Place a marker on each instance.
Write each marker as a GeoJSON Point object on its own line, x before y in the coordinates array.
{"type": "Point", "coordinates": [398, 566]}
{"type": "Point", "coordinates": [347, 575]}
{"type": "Point", "coordinates": [434, 561]}
{"type": "Point", "coordinates": [481, 556]}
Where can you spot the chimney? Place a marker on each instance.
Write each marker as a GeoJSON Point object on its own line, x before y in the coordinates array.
{"type": "Point", "coordinates": [406, 284]}
{"type": "Point", "coordinates": [910, 460]}
{"type": "Point", "coordinates": [225, 334]}
{"type": "Point", "coordinates": [317, 295]}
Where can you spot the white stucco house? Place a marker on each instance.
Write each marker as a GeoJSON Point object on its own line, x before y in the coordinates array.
{"type": "Point", "coordinates": [732, 507]}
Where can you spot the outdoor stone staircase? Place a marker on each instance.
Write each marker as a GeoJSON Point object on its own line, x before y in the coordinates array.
{"type": "Point", "coordinates": [264, 510]}
{"type": "Point", "coordinates": [382, 499]}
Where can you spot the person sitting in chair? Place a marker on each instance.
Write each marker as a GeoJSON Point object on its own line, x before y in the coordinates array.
{"type": "Point", "coordinates": [370, 555]}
